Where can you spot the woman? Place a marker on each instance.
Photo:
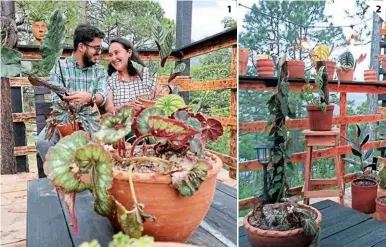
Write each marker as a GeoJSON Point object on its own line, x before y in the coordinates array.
{"type": "Point", "coordinates": [124, 82]}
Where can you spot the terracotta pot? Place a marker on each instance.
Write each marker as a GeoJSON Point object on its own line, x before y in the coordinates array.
{"type": "Point", "coordinates": [330, 69]}
{"type": "Point", "coordinates": [268, 238]}
{"type": "Point", "coordinates": [363, 197]}
{"type": "Point", "coordinates": [383, 31]}
{"type": "Point", "coordinates": [170, 244]}
{"type": "Point", "coordinates": [370, 75]}
{"type": "Point", "coordinates": [243, 60]}
{"type": "Point", "coordinates": [319, 121]}
{"type": "Point", "coordinates": [177, 217]}
{"type": "Point", "coordinates": [265, 67]}
{"type": "Point", "coordinates": [67, 129]}
{"type": "Point", "coordinates": [296, 69]}
{"type": "Point", "coordinates": [381, 209]}
{"type": "Point", "coordinates": [147, 103]}
{"type": "Point", "coordinates": [345, 75]}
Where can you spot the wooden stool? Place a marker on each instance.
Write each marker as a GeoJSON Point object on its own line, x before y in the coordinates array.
{"type": "Point", "coordinates": [322, 139]}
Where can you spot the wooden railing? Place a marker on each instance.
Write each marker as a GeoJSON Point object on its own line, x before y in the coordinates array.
{"type": "Point", "coordinates": [270, 84]}
{"type": "Point", "coordinates": [219, 41]}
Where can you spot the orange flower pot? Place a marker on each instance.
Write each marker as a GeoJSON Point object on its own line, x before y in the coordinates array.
{"type": "Point", "coordinates": [243, 60]}
{"type": "Point", "coordinates": [291, 238]}
{"type": "Point", "coordinates": [147, 103]}
{"type": "Point", "coordinates": [363, 197]}
{"type": "Point", "coordinates": [67, 129]}
{"type": "Point", "coordinates": [370, 75]}
{"type": "Point", "coordinates": [265, 67]}
{"type": "Point", "coordinates": [381, 209]}
{"type": "Point", "coordinates": [330, 70]}
{"type": "Point", "coordinates": [296, 69]}
{"type": "Point", "coordinates": [345, 75]}
{"type": "Point", "coordinates": [319, 121]}
{"type": "Point", "coordinates": [177, 217]}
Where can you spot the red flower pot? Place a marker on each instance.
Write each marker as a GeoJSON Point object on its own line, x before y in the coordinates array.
{"type": "Point", "coordinates": [243, 60]}
{"type": "Point", "coordinates": [330, 70]}
{"type": "Point", "coordinates": [265, 67]}
{"type": "Point", "coordinates": [381, 208]}
{"type": "Point", "coordinates": [319, 121]}
{"type": "Point", "coordinates": [345, 75]}
{"type": "Point", "coordinates": [363, 197]}
{"type": "Point", "coordinates": [370, 75]}
{"type": "Point", "coordinates": [296, 69]}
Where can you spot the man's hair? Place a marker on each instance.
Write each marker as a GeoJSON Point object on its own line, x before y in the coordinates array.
{"type": "Point", "coordinates": [85, 33]}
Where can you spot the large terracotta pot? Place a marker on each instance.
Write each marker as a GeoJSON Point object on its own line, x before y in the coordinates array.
{"type": "Point", "coordinates": [265, 67]}
{"type": "Point", "coordinates": [319, 121]}
{"type": "Point", "coordinates": [177, 217]}
{"type": "Point", "coordinates": [292, 238]}
{"type": "Point", "coordinates": [296, 69]}
{"type": "Point", "coordinates": [363, 197]}
{"type": "Point", "coordinates": [67, 129]}
{"type": "Point", "coordinates": [370, 75]}
{"type": "Point", "coordinates": [243, 60]}
{"type": "Point", "coordinates": [345, 75]}
{"type": "Point", "coordinates": [330, 69]}
{"type": "Point", "coordinates": [381, 209]}
{"type": "Point", "coordinates": [147, 103]}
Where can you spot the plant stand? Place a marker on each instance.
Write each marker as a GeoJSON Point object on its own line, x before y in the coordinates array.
{"type": "Point", "coordinates": [322, 139]}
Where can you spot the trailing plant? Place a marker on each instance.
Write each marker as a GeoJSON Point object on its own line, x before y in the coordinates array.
{"type": "Point", "coordinates": [382, 175]}
{"type": "Point", "coordinates": [122, 240]}
{"type": "Point", "coordinates": [178, 152]}
{"type": "Point", "coordinates": [316, 98]}
{"type": "Point", "coordinates": [347, 61]}
{"type": "Point", "coordinates": [364, 161]}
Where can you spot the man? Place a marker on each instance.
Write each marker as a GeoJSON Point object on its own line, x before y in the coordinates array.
{"type": "Point", "coordinates": [84, 79]}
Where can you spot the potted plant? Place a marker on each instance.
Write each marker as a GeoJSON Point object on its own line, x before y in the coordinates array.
{"type": "Point", "coordinates": [321, 54]}
{"type": "Point", "coordinates": [296, 67]}
{"type": "Point", "coordinates": [370, 75]}
{"type": "Point", "coordinates": [365, 186]}
{"type": "Point", "coordinates": [381, 200]}
{"type": "Point", "coordinates": [320, 112]}
{"type": "Point", "coordinates": [243, 60]}
{"type": "Point", "coordinates": [265, 66]}
{"type": "Point", "coordinates": [274, 221]}
{"type": "Point", "coordinates": [347, 66]}
{"type": "Point", "coordinates": [174, 179]}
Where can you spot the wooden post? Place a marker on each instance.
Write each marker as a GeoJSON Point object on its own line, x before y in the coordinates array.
{"type": "Point", "coordinates": [233, 114]}
{"type": "Point", "coordinates": [8, 162]}
{"type": "Point", "coordinates": [343, 128]}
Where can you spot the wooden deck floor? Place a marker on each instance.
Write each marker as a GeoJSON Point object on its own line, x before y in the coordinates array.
{"type": "Point", "coordinates": [14, 206]}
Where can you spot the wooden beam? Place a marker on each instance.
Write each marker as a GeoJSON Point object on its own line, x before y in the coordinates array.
{"type": "Point", "coordinates": [24, 150]}
{"type": "Point", "coordinates": [23, 117]}
{"type": "Point", "coordinates": [226, 159]}
{"type": "Point", "coordinates": [254, 165]}
{"type": "Point", "coordinates": [227, 122]}
{"type": "Point", "coordinates": [22, 81]}
{"type": "Point", "coordinates": [186, 84]}
{"type": "Point", "coordinates": [259, 126]}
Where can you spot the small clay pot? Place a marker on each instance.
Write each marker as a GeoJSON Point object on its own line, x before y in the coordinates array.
{"type": "Point", "coordinates": [147, 103]}
{"type": "Point", "coordinates": [370, 75]}
{"type": "Point", "coordinates": [296, 69]}
{"type": "Point", "coordinates": [330, 69]}
{"type": "Point", "coordinates": [177, 217]}
{"type": "Point", "coordinates": [265, 67]}
{"type": "Point", "coordinates": [292, 238]}
{"type": "Point", "coordinates": [243, 60]}
{"type": "Point", "coordinates": [363, 197]}
{"type": "Point", "coordinates": [381, 209]}
{"type": "Point", "coordinates": [319, 121]}
{"type": "Point", "coordinates": [67, 129]}
{"type": "Point", "coordinates": [345, 75]}
{"type": "Point", "coordinates": [383, 31]}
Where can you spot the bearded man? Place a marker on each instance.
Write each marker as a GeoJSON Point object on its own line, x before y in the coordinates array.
{"type": "Point", "coordinates": [80, 75]}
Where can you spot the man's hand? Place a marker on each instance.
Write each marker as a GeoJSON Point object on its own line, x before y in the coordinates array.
{"type": "Point", "coordinates": [78, 97]}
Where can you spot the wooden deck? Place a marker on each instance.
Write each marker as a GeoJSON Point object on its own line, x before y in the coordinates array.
{"type": "Point", "coordinates": [342, 226]}
{"type": "Point", "coordinates": [48, 223]}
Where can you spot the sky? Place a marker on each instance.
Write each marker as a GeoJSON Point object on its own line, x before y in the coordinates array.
{"type": "Point", "coordinates": [335, 9]}
{"type": "Point", "coordinates": [206, 16]}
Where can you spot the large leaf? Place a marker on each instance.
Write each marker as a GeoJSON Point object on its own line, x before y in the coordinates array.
{"type": "Point", "coordinates": [59, 160]}
{"type": "Point", "coordinates": [94, 158]}
{"type": "Point", "coordinates": [141, 125]}
{"type": "Point", "coordinates": [130, 221]}
{"type": "Point", "coordinates": [158, 33]}
{"type": "Point", "coordinates": [170, 103]}
{"type": "Point", "coordinates": [36, 81]}
{"type": "Point", "coordinates": [69, 201]}
{"type": "Point", "coordinates": [346, 60]}
{"type": "Point", "coordinates": [174, 131]}
{"type": "Point", "coordinates": [114, 127]}
{"type": "Point", "coordinates": [176, 71]}
{"type": "Point", "coordinates": [51, 47]}
{"type": "Point", "coordinates": [188, 182]}
{"type": "Point", "coordinates": [88, 117]}
{"type": "Point", "coordinates": [166, 47]}
{"type": "Point", "coordinates": [321, 53]}
{"type": "Point", "coordinates": [211, 129]}
{"type": "Point", "coordinates": [10, 62]}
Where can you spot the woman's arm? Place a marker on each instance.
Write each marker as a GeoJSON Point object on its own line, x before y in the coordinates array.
{"type": "Point", "coordinates": [109, 106]}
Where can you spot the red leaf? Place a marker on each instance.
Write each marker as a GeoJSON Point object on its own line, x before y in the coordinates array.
{"type": "Point", "coordinates": [176, 132]}
{"type": "Point", "coordinates": [211, 129]}
{"type": "Point", "coordinates": [69, 201]}
{"type": "Point", "coordinates": [361, 58]}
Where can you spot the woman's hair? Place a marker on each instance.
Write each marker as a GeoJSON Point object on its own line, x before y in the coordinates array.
{"type": "Point", "coordinates": [134, 57]}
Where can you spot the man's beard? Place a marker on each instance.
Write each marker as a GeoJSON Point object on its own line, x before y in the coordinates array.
{"type": "Point", "coordinates": [87, 61]}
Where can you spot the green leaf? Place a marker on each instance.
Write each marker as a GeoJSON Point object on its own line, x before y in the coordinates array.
{"type": "Point", "coordinates": [166, 47]}
{"type": "Point", "coordinates": [356, 152]}
{"type": "Point", "coordinates": [270, 121]}
{"type": "Point", "coordinates": [290, 165]}
{"type": "Point", "coordinates": [275, 188]}
{"type": "Point", "coordinates": [170, 103]}
{"type": "Point", "coordinates": [59, 161]}
{"type": "Point", "coordinates": [10, 62]}
{"type": "Point", "coordinates": [130, 221]}
{"type": "Point", "coordinates": [51, 47]}
{"type": "Point", "coordinates": [88, 117]}
{"type": "Point", "coordinates": [279, 169]}
{"type": "Point", "coordinates": [188, 182]}
{"type": "Point", "coordinates": [94, 158]}
{"type": "Point", "coordinates": [141, 123]}
{"type": "Point", "coordinates": [114, 127]}
{"type": "Point", "coordinates": [365, 140]}
{"type": "Point", "coordinates": [137, 66]}
{"type": "Point", "coordinates": [368, 153]}
{"type": "Point", "coordinates": [194, 123]}
{"type": "Point", "coordinates": [277, 178]}
{"type": "Point", "coordinates": [355, 163]}
{"type": "Point", "coordinates": [276, 157]}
